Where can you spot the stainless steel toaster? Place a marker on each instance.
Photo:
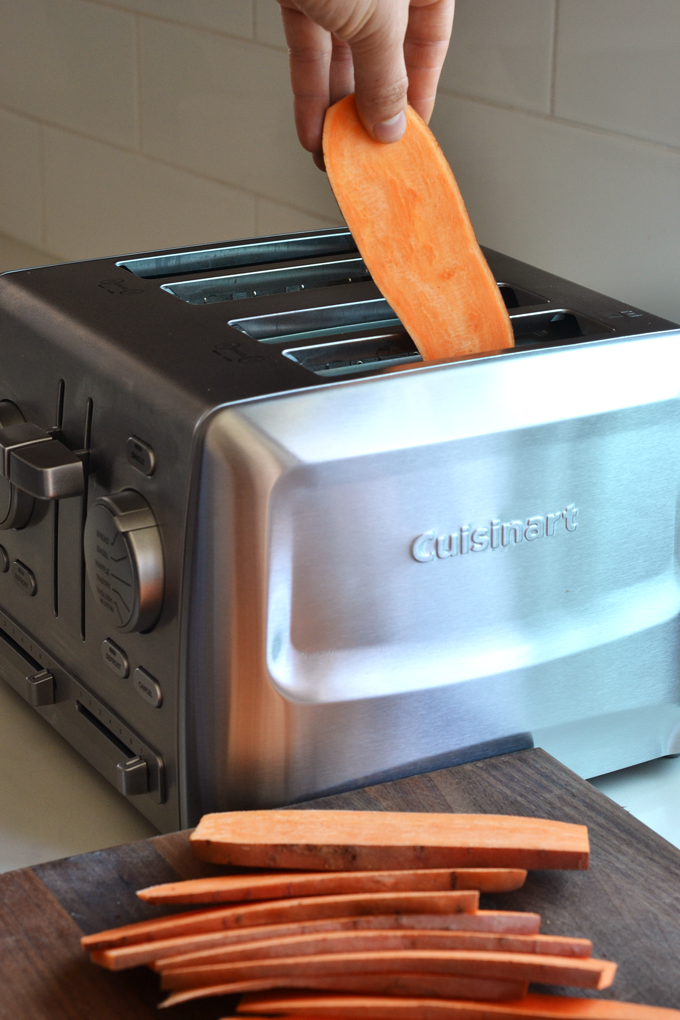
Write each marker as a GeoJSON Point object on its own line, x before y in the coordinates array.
{"type": "Point", "coordinates": [253, 549]}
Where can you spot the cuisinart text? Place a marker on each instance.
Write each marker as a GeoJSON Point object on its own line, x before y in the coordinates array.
{"type": "Point", "coordinates": [430, 546]}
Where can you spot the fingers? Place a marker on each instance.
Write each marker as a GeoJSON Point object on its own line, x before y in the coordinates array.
{"type": "Point", "coordinates": [425, 45]}
{"type": "Point", "coordinates": [383, 50]}
{"type": "Point", "coordinates": [381, 81]}
{"type": "Point", "coordinates": [342, 71]}
{"type": "Point", "coordinates": [310, 49]}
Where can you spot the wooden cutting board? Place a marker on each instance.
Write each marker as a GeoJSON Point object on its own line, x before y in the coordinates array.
{"type": "Point", "coordinates": [628, 903]}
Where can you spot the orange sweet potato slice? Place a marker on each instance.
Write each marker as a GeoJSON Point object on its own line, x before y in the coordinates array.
{"type": "Point", "coordinates": [121, 957]}
{"type": "Point", "coordinates": [366, 941]}
{"type": "Point", "coordinates": [558, 970]}
{"type": "Point", "coordinates": [279, 885]}
{"type": "Point", "coordinates": [403, 207]}
{"type": "Point", "coordinates": [305, 1006]}
{"type": "Point", "coordinates": [443, 986]}
{"type": "Point", "coordinates": [380, 840]}
{"type": "Point", "coordinates": [273, 911]}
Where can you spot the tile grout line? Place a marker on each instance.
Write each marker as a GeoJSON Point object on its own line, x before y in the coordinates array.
{"type": "Point", "coordinates": [172, 166]}
{"type": "Point", "coordinates": [191, 24]}
{"type": "Point", "coordinates": [43, 189]}
{"type": "Point", "coordinates": [553, 69]}
{"type": "Point", "coordinates": [673, 150]}
{"type": "Point", "coordinates": [138, 68]}
{"type": "Point", "coordinates": [578, 125]}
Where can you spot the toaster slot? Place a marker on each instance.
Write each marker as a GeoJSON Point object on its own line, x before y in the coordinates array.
{"type": "Point", "coordinates": [517, 297]}
{"type": "Point", "coordinates": [310, 323]}
{"type": "Point", "coordinates": [245, 253]}
{"type": "Point", "coordinates": [268, 281]}
{"type": "Point", "coordinates": [356, 355]}
{"type": "Point", "coordinates": [554, 325]}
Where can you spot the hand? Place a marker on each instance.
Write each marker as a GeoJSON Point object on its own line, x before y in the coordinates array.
{"type": "Point", "coordinates": [388, 51]}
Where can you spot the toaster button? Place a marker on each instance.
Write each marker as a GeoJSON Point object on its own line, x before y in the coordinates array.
{"type": "Point", "coordinates": [4, 560]}
{"type": "Point", "coordinates": [147, 687]}
{"type": "Point", "coordinates": [115, 658]}
{"type": "Point", "coordinates": [140, 455]}
{"type": "Point", "coordinates": [24, 578]}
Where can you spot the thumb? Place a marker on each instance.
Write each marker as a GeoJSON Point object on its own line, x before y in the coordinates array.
{"type": "Point", "coordinates": [381, 81]}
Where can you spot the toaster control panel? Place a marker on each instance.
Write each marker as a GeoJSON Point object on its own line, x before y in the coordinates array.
{"type": "Point", "coordinates": [16, 506]}
{"type": "Point", "coordinates": [124, 560]}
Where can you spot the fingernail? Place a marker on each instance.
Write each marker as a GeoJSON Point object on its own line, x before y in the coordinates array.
{"type": "Point", "coordinates": [390, 130]}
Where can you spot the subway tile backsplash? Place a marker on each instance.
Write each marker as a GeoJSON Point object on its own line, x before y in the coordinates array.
{"type": "Point", "coordinates": [618, 67]}
{"type": "Point", "coordinates": [94, 192]}
{"type": "Point", "coordinates": [235, 17]}
{"type": "Point", "coordinates": [133, 124]}
{"type": "Point", "coordinates": [502, 51]}
{"type": "Point", "coordinates": [71, 63]}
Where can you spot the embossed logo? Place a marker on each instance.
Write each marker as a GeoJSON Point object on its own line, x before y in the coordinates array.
{"type": "Point", "coordinates": [496, 535]}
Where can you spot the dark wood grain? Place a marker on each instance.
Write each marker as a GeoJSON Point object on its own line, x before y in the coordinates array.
{"type": "Point", "coordinates": [628, 902]}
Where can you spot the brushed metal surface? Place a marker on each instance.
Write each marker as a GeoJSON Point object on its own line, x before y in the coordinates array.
{"type": "Point", "coordinates": [371, 567]}
{"type": "Point", "coordinates": [336, 655]}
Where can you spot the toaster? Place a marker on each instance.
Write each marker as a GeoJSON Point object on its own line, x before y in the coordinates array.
{"type": "Point", "coordinates": [254, 550]}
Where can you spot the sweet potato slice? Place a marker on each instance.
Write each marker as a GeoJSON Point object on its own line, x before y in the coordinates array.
{"type": "Point", "coordinates": [273, 911]}
{"type": "Point", "coordinates": [406, 214]}
{"type": "Point", "coordinates": [305, 1006]}
{"type": "Point", "coordinates": [380, 840]}
{"type": "Point", "coordinates": [436, 985]}
{"type": "Point", "coordinates": [558, 970]}
{"type": "Point", "coordinates": [121, 957]}
{"type": "Point", "coordinates": [280, 885]}
{"type": "Point", "coordinates": [366, 941]}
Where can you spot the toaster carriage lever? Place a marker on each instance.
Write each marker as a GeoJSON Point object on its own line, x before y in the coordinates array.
{"type": "Point", "coordinates": [36, 463]}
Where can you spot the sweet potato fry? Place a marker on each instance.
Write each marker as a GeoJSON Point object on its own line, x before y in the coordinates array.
{"type": "Point", "coordinates": [273, 911]}
{"type": "Point", "coordinates": [123, 956]}
{"type": "Point", "coordinates": [367, 941]}
{"type": "Point", "coordinates": [279, 885]}
{"type": "Point", "coordinates": [301, 1006]}
{"type": "Point", "coordinates": [435, 985]}
{"type": "Point", "coordinates": [387, 840]}
{"type": "Point", "coordinates": [558, 970]}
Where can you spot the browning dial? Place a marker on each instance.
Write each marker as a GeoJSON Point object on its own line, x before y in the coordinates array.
{"type": "Point", "coordinates": [124, 560]}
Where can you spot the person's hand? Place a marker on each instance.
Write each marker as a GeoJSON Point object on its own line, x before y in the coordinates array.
{"type": "Point", "coordinates": [387, 51]}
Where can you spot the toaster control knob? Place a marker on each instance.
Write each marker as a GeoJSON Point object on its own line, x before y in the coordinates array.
{"type": "Point", "coordinates": [124, 560]}
{"type": "Point", "coordinates": [16, 506]}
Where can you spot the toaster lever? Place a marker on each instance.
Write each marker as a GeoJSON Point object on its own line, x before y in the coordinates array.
{"type": "Point", "coordinates": [36, 463]}
{"type": "Point", "coordinates": [132, 777]}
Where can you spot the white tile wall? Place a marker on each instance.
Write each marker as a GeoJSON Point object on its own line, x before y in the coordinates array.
{"type": "Point", "coordinates": [72, 63]}
{"type": "Point", "coordinates": [20, 178]}
{"type": "Point", "coordinates": [268, 25]}
{"type": "Point", "coordinates": [235, 17]}
{"type": "Point", "coordinates": [275, 218]}
{"type": "Point", "coordinates": [559, 116]}
{"type": "Point", "coordinates": [598, 208]}
{"type": "Point", "coordinates": [104, 201]}
{"type": "Point", "coordinates": [502, 52]}
{"type": "Point", "coordinates": [618, 66]}
{"type": "Point", "coordinates": [222, 108]}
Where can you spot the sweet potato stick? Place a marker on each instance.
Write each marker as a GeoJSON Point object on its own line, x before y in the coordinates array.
{"type": "Point", "coordinates": [387, 840]}
{"type": "Point", "coordinates": [122, 957]}
{"type": "Point", "coordinates": [439, 985]}
{"type": "Point", "coordinates": [273, 911]}
{"type": "Point", "coordinates": [301, 1006]}
{"type": "Point", "coordinates": [366, 941]}
{"type": "Point", "coordinates": [557, 970]}
{"type": "Point", "coordinates": [279, 885]}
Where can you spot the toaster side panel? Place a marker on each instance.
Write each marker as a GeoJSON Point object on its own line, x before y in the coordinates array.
{"type": "Point", "coordinates": [407, 567]}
